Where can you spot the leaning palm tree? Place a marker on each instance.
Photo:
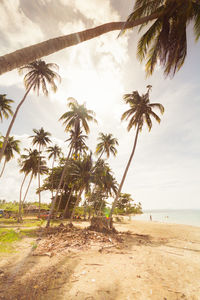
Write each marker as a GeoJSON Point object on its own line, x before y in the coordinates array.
{"type": "Point", "coordinates": [41, 138]}
{"type": "Point", "coordinates": [167, 20]}
{"type": "Point", "coordinates": [5, 108]}
{"type": "Point", "coordinates": [40, 75]}
{"type": "Point", "coordinates": [77, 116]}
{"type": "Point", "coordinates": [54, 152]}
{"type": "Point", "coordinates": [12, 146]}
{"type": "Point", "coordinates": [106, 145]}
{"type": "Point", "coordinates": [140, 112]}
{"type": "Point", "coordinates": [29, 164]}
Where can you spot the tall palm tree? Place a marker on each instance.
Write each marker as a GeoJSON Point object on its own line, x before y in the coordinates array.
{"type": "Point", "coordinates": [77, 116]}
{"type": "Point", "coordinates": [168, 15]}
{"type": "Point", "coordinates": [29, 164]}
{"type": "Point", "coordinates": [106, 145]}
{"type": "Point", "coordinates": [140, 112]}
{"type": "Point", "coordinates": [5, 108]}
{"type": "Point", "coordinates": [39, 76]}
{"type": "Point", "coordinates": [12, 146]}
{"type": "Point", "coordinates": [41, 138]}
{"type": "Point", "coordinates": [54, 152]}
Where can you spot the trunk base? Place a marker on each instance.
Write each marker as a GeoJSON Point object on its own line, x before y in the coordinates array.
{"type": "Point", "coordinates": [102, 224]}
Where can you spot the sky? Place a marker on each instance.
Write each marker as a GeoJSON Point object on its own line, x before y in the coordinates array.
{"type": "Point", "coordinates": [165, 169]}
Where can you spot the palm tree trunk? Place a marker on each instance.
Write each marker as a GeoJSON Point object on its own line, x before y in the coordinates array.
{"type": "Point", "coordinates": [124, 176]}
{"type": "Point", "coordinates": [12, 122]}
{"type": "Point", "coordinates": [76, 204]}
{"type": "Point", "coordinates": [27, 189]}
{"type": "Point", "coordinates": [52, 178]}
{"type": "Point", "coordinates": [99, 211]}
{"type": "Point", "coordinates": [58, 189]}
{"type": "Point", "coordinates": [58, 207]}
{"type": "Point", "coordinates": [3, 168]}
{"type": "Point", "coordinates": [99, 158]}
{"type": "Point", "coordinates": [29, 54]}
{"type": "Point", "coordinates": [20, 199]}
{"type": "Point", "coordinates": [67, 204]}
{"type": "Point", "coordinates": [39, 195]}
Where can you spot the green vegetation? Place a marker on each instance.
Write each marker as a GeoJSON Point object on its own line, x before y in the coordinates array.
{"type": "Point", "coordinates": [7, 237]}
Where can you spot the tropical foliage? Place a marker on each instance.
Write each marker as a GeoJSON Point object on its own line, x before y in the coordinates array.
{"type": "Point", "coordinates": [12, 146]}
{"type": "Point", "coordinates": [5, 107]}
{"type": "Point", "coordinates": [39, 76]}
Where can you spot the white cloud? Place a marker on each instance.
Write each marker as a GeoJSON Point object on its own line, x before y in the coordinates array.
{"type": "Point", "coordinates": [18, 30]}
{"type": "Point", "coordinates": [99, 11]}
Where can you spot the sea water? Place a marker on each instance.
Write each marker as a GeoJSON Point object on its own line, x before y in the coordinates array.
{"type": "Point", "coordinates": [188, 217]}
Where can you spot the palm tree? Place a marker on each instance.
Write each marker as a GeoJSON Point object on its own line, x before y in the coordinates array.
{"type": "Point", "coordinates": [77, 141]}
{"type": "Point", "coordinates": [40, 75]}
{"type": "Point", "coordinates": [171, 17]}
{"type": "Point", "coordinates": [5, 108]}
{"type": "Point", "coordinates": [140, 112]}
{"type": "Point", "coordinates": [165, 40]}
{"type": "Point", "coordinates": [77, 116]}
{"type": "Point", "coordinates": [29, 164]}
{"type": "Point", "coordinates": [78, 146]}
{"type": "Point", "coordinates": [83, 171]}
{"type": "Point", "coordinates": [12, 146]}
{"type": "Point", "coordinates": [54, 152]}
{"type": "Point", "coordinates": [106, 145]}
{"type": "Point", "coordinates": [104, 180]}
{"type": "Point", "coordinates": [41, 138]}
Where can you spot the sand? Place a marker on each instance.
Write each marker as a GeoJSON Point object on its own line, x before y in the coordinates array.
{"type": "Point", "coordinates": [156, 261]}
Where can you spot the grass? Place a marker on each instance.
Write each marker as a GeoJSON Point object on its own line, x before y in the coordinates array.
{"type": "Point", "coordinates": [25, 223]}
{"type": "Point", "coordinates": [7, 237]}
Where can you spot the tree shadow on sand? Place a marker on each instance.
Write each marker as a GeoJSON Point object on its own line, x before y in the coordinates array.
{"type": "Point", "coordinates": [34, 277]}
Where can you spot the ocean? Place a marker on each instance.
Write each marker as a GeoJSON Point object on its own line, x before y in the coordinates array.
{"type": "Point", "coordinates": [177, 216]}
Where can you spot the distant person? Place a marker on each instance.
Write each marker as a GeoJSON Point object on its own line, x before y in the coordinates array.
{"type": "Point", "coordinates": [150, 217]}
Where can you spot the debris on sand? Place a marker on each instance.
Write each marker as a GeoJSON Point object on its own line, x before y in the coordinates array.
{"type": "Point", "coordinates": [69, 238]}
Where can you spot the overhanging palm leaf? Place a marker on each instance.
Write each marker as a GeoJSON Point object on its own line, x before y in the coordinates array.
{"type": "Point", "coordinates": [165, 41]}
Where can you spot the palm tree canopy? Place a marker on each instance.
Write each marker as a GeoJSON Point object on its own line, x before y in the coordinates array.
{"type": "Point", "coordinates": [40, 75]}
{"type": "Point", "coordinates": [165, 40]}
{"type": "Point", "coordinates": [103, 178]}
{"type": "Point", "coordinates": [107, 144]}
{"type": "Point", "coordinates": [41, 137]}
{"type": "Point", "coordinates": [29, 162]}
{"type": "Point", "coordinates": [82, 171]}
{"type": "Point", "coordinates": [77, 141]}
{"type": "Point", "coordinates": [11, 147]}
{"type": "Point", "coordinates": [54, 151]}
{"type": "Point", "coordinates": [5, 108]}
{"type": "Point", "coordinates": [77, 116]}
{"type": "Point", "coordinates": [141, 110]}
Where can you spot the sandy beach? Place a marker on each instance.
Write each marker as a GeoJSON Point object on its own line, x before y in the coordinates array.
{"type": "Point", "coordinates": [155, 261]}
